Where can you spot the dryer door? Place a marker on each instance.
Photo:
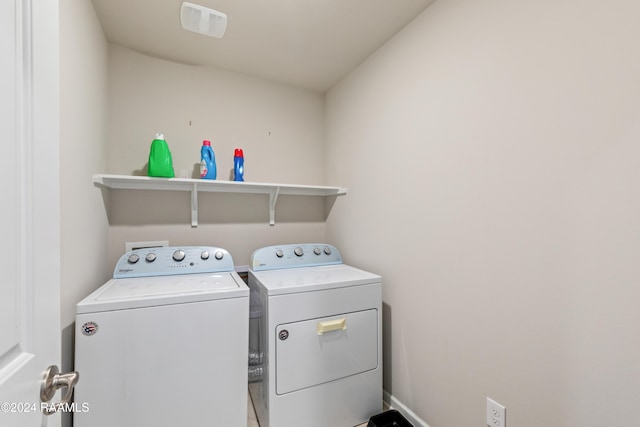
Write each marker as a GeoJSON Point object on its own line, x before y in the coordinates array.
{"type": "Point", "coordinates": [320, 350]}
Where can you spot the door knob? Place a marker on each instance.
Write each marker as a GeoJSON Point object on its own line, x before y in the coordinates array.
{"type": "Point", "coordinates": [52, 380]}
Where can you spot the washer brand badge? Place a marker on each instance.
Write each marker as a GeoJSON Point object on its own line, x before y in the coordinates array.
{"type": "Point", "coordinates": [90, 328]}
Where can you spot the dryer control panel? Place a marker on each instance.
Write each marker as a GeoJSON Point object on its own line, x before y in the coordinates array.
{"type": "Point", "coordinates": [292, 256]}
{"type": "Point", "coordinates": [165, 261]}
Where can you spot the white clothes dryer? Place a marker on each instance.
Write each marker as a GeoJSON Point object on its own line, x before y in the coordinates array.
{"type": "Point", "coordinates": [318, 325]}
{"type": "Point", "coordinates": [164, 343]}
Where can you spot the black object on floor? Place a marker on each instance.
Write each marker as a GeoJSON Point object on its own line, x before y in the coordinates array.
{"type": "Point", "coordinates": [390, 418]}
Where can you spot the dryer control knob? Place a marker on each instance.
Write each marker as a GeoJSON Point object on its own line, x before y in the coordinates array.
{"type": "Point", "coordinates": [298, 251]}
{"type": "Point", "coordinates": [179, 255]}
{"type": "Point", "coordinates": [317, 251]}
{"type": "Point", "coordinates": [327, 250]}
{"type": "Point", "coordinates": [204, 255]}
{"type": "Point", "coordinates": [279, 253]}
{"type": "Point", "coordinates": [219, 255]}
{"type": "Point", "coordinates": [150, 257]}
{"type": "Point", "coordinates": [133, 258]}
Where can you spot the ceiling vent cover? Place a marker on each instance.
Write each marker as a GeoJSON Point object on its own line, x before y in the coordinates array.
{"type": "Point", "coordinates": [203, 20]}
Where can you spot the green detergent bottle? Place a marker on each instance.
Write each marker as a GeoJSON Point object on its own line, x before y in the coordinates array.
{"type": "Point", "coordinates": [160, 162]}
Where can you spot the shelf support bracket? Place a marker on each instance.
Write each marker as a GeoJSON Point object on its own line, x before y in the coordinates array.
{"type": "Point", "coordinates": [194, 205]}
{"type": "Point", "coordinates": [273, 199]}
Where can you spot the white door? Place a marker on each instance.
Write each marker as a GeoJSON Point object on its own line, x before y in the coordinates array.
{"type": "Point", "coordinates": [29, 208]}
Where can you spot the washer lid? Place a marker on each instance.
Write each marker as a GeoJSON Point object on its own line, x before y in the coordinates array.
{"type": "Point", "coordinates": [120, 294]}
{"type": "Point", "coordinates": [306, 279]}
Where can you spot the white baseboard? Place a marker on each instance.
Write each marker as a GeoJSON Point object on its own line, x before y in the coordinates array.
{"type": "Point", "coordinates": [394, 403]}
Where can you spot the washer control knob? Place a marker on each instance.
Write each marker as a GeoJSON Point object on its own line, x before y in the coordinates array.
{"type": "Point", "coordinates": [204, 255]}
{"type": "Point", "coordinates": [279, 253]}
{"type": "Point", "coordinates": [179, 255]}
{"type": "Point", "coordinates": [219, 255]}
{"type": "Point", "coordinates": [327, 250]}
{"type": "Point", "coordinates": [317, 251]}
{"type": "Point", "coordinates": [298, 251]}
{"type": "Point", "coordinates": [133, 258]}
{"type": "Point", "coordinates": [150, 257]}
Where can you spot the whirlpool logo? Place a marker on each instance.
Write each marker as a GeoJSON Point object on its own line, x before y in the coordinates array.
{"type": "Point", "coordinates": [90, 328]}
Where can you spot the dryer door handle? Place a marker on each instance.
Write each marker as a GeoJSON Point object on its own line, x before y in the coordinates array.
{"type": "Point", "coordinates": [332, 325]}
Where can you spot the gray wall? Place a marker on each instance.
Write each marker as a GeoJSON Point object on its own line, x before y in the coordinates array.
{"type": "Point", "coordinates": [280, 128]}
{"type": "Point", "coordinates": [491, 154]}
{"type": "Point", "coordinates": [83, 152]}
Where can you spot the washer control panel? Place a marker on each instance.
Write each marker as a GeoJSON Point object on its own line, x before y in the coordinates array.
{"type": "Point", "coordinates": [166, 261]}
{"type": "Point", "coordinates": [292, 256]}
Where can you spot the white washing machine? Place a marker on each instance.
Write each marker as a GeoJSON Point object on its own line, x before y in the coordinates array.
{"type": "Point", "coordinates": [318, 328]}
{"type": "Point", "coordinates": [164, 343]}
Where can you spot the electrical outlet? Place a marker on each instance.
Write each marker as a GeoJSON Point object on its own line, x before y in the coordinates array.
{"type": "Point", "coordinates": [496, 414]}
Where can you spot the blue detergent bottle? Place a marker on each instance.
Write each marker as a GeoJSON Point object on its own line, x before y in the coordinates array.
{"type": "Point", "coordinates": [207, 161]}
{"type": "Point", "coordinates": [238, 165]}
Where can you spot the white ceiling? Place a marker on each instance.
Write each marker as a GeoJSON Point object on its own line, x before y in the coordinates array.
{"type": "Point", "coordinates": [307, 43]}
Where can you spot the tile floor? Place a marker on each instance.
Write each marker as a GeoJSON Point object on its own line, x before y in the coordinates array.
{"type": "Point", "coordinates": [252, 420]}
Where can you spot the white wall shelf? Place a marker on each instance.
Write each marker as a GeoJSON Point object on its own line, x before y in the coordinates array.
{"type": "Point", "coordinates": [195, 186]}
